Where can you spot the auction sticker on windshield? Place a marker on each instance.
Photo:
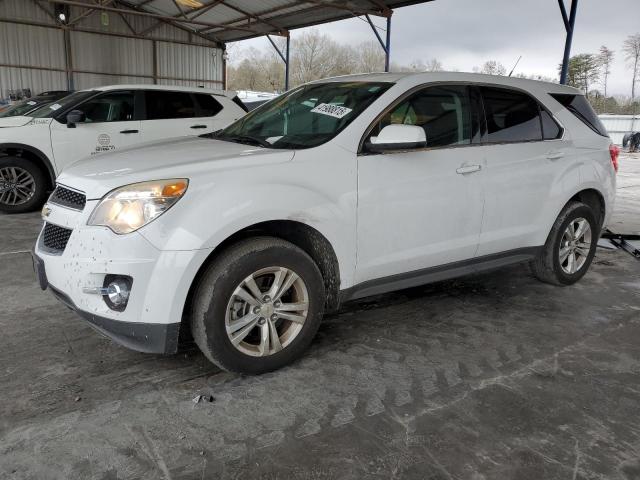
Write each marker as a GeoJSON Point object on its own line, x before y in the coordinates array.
{"type": "Point", "coordinates": [335, 111]}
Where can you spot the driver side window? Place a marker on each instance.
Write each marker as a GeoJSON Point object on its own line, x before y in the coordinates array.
{"type": "Point", "coordinates": [110, 107]}
{"type": "Point", "coordinates": [444, 112]}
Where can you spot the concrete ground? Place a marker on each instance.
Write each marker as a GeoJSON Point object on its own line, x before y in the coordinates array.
{"type": "Point", "coordinates": [495, 376]}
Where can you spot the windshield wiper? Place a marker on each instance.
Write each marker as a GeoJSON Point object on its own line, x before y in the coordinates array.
{"type": "Point", "coordinates": [244, 139]}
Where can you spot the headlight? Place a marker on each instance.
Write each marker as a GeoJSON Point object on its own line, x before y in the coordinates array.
{"type": "Point", "coordinates": [128, 208]}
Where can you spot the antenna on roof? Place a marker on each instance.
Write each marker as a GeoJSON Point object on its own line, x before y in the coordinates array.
{"type": "Point", "coordinates": [514, 67]}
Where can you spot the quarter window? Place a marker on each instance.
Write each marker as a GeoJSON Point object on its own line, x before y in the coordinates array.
{"type": "Point", "coordinates": [167, 105]}
{"type": "Point", "coordinates": [511, 116]}
{"type": "Point", "coordinates": [110, 107]}
{"type": "Point", "coordinates": [550, 129]}
{"type": "Point", "coordinates": [209, 106]}
{"type": "Point", "coordinates": [443, 112]}
{"type": "Point", "coordinates": [579, 106]}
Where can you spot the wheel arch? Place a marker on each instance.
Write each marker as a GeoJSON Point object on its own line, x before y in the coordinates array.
{"type": "Point", "coordinates": [306, 237]}
{"type": "Point", "coordinates": [32, 153]}
{"type": "Point", "coordinates": [594, 199]}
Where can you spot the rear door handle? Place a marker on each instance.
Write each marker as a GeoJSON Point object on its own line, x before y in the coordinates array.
{"type": "Point", "coordinates": [198, 126]}
{"type": "Point", "coordinates": [128, 131]}
{"type": "Point", "coordinates": [555, 155]}
{"type": "Point", "coordinates": [468, 169]}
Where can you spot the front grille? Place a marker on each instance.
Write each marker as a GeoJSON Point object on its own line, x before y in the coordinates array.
{"type": "Point", "coordinates": [55, 237]}
{"type": "Point", "coordinates": [68, 198]}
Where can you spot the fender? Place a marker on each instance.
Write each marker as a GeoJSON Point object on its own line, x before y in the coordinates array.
{"type": "Point", "coordinates": [41, 156]}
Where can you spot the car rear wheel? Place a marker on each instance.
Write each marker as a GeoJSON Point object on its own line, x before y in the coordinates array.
{"type": "Point", "coordinates": [257, 306]}
{"type": "Point", "coordinates": [23, 185]}
{"type": "Point", "coordinates": [570, 247]}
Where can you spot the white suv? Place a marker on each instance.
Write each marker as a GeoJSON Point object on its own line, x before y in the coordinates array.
{"type": "Point", "coordinates": [337, 190]}
{"type": "Point", "coordinates": [36, 148]}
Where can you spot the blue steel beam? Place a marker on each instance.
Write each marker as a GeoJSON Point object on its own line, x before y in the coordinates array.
{"type": "Point", "coordinates": [569, 24]}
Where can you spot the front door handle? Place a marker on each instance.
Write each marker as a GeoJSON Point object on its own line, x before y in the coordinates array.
{"type": "Point", "coordinates": [468, 169]}
{"type": "Point", "coordinates": [555, 155]}
{"type": "Point", "coordinates": [128, 131]}
{"type": "Point", "coordinates": [198, 126]}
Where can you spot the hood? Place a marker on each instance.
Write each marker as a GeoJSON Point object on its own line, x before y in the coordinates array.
{"type": "Point", "coordinates": [17, 121]}
{"type": "Point", "coordinates": [190, 157]}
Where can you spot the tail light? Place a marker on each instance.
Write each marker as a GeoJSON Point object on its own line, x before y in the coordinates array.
{"type": "Point", "coordinates": [614, 151]}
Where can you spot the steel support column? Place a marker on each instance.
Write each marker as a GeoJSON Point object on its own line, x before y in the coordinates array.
{"type": "Point", "coordinates": [385, 44]}
{"type": "Point", "coordinates": [66, 34]}
{"type": "Point", "coordinates": [388, 49]}
{"type": "Point", "coordinates": [285, 58]}
{"type": "Point", "coordinates": [569, 23]}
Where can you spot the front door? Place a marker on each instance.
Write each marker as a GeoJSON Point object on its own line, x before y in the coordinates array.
{"type": "Point", "coordinates": [422, 208]}
{"type": "Point", "coordinates": [109, 125]}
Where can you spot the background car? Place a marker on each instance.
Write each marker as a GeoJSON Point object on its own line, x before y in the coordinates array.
{"type": "Point", "coordinates": [26, 106]}
{"type": "Point", "coordinates": [34, 149]}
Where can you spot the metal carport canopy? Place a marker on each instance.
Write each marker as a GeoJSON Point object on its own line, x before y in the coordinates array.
{"type": "Point", "coordinates": [243, 19]}
{"type": "Point", "coordinates": [232, 20]}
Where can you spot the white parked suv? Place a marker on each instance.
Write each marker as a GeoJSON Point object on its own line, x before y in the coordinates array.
{"type": "Point", "coordinates": [34, 149]}
{"type": "Point", "coordinates": [337, 190]}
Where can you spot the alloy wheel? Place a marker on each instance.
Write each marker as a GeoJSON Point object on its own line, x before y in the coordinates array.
{"type": "Point", "coordinates": [267, 311]}
{"type": "Point", "coordinates": [17, 186]}
{"type": "Point", "coordinates": [575, 246]}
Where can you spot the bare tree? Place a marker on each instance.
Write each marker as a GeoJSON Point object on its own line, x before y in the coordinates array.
{"type": "Point", "coordinates": [493, 67]}
{"type": "Point", "coordinates": [370, 57]}
{"type": "Point", "coordinates": [434, 65]}
{"type": "Point", "coordinates": [631, 49]}
{"type": "Point", "coordinates": [606, 59]}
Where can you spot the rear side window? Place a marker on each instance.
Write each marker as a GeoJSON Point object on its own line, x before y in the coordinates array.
{"type": "Point", "coordinates": [209, 106]}
{"type": "Point", "coordinates": [511, 116]}
{"type": "Point", "coordinates": [166, 105]}
{"type": "Point", "coordinates": [579, 106]}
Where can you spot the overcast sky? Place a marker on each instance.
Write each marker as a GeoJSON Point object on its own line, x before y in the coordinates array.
{"type": "Point", "coordinates": [462, 34]}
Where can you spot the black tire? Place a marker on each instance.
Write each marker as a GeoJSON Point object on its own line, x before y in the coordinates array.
{"type": "Point", "coordinates": [41, 186]}
{"type": "Point", "coordinates": [216, 287]}
{"type": "Point", "coordinates": [546, 266]}
{"type": "Point", "coordinates": [625, 139]}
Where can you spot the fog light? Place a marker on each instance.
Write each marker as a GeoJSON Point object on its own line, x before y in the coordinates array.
{"type": "Point", "coordinates": [117, 289]}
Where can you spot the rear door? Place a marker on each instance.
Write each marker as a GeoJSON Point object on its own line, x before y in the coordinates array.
{"type": "Point", "coordinates": [521, 169]}
{"type": "Point", "coordinates": [171, 114]}
{"type": "Point", "coordinates": [110, 124]}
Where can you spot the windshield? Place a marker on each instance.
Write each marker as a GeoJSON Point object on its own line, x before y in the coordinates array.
{"type": "Point", "coordinates": [21, 108]}
{"type": "Point", "coordinates": [306, 117]}
{"type": "Point", "coordinates": [48, 111]}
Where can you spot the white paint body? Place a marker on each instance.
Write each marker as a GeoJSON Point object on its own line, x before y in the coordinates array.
{"type": "Point", "coordinates": [384, 214]}
{"type": "Point", "coordinates": [62, 146]}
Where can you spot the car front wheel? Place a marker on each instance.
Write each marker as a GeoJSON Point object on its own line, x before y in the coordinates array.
{"type": "Point", "coordinates": [258, 306]}
{"type": "Point", "coordinates": [23, 185]}
{"type": "Point", "coordinates": [570, 247]}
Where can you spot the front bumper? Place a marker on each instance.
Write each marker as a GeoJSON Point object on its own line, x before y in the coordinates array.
{"type": "Point", "coordinates": [161, 281]}
{"type": "Point", "coordinates": [142, 337]}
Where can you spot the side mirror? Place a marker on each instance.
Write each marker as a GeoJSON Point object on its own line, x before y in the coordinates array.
{"type": "Point", "coordinates": [398, 137]}
{"type": "Point", "coordinates": [75, 116]}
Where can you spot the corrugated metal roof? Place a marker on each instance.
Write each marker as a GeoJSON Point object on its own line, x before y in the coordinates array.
{"type": "Point", "coordinates": [241, 19]}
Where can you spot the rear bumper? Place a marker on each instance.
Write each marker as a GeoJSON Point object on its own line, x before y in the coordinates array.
{"type": "Point", "coordinates": [142, 337]}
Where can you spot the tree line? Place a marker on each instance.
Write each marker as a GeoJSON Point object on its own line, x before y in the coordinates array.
{"type": "Point", "coordinates": [315, 55]}
{"type": "Point", "coordinates": [590, 73]}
